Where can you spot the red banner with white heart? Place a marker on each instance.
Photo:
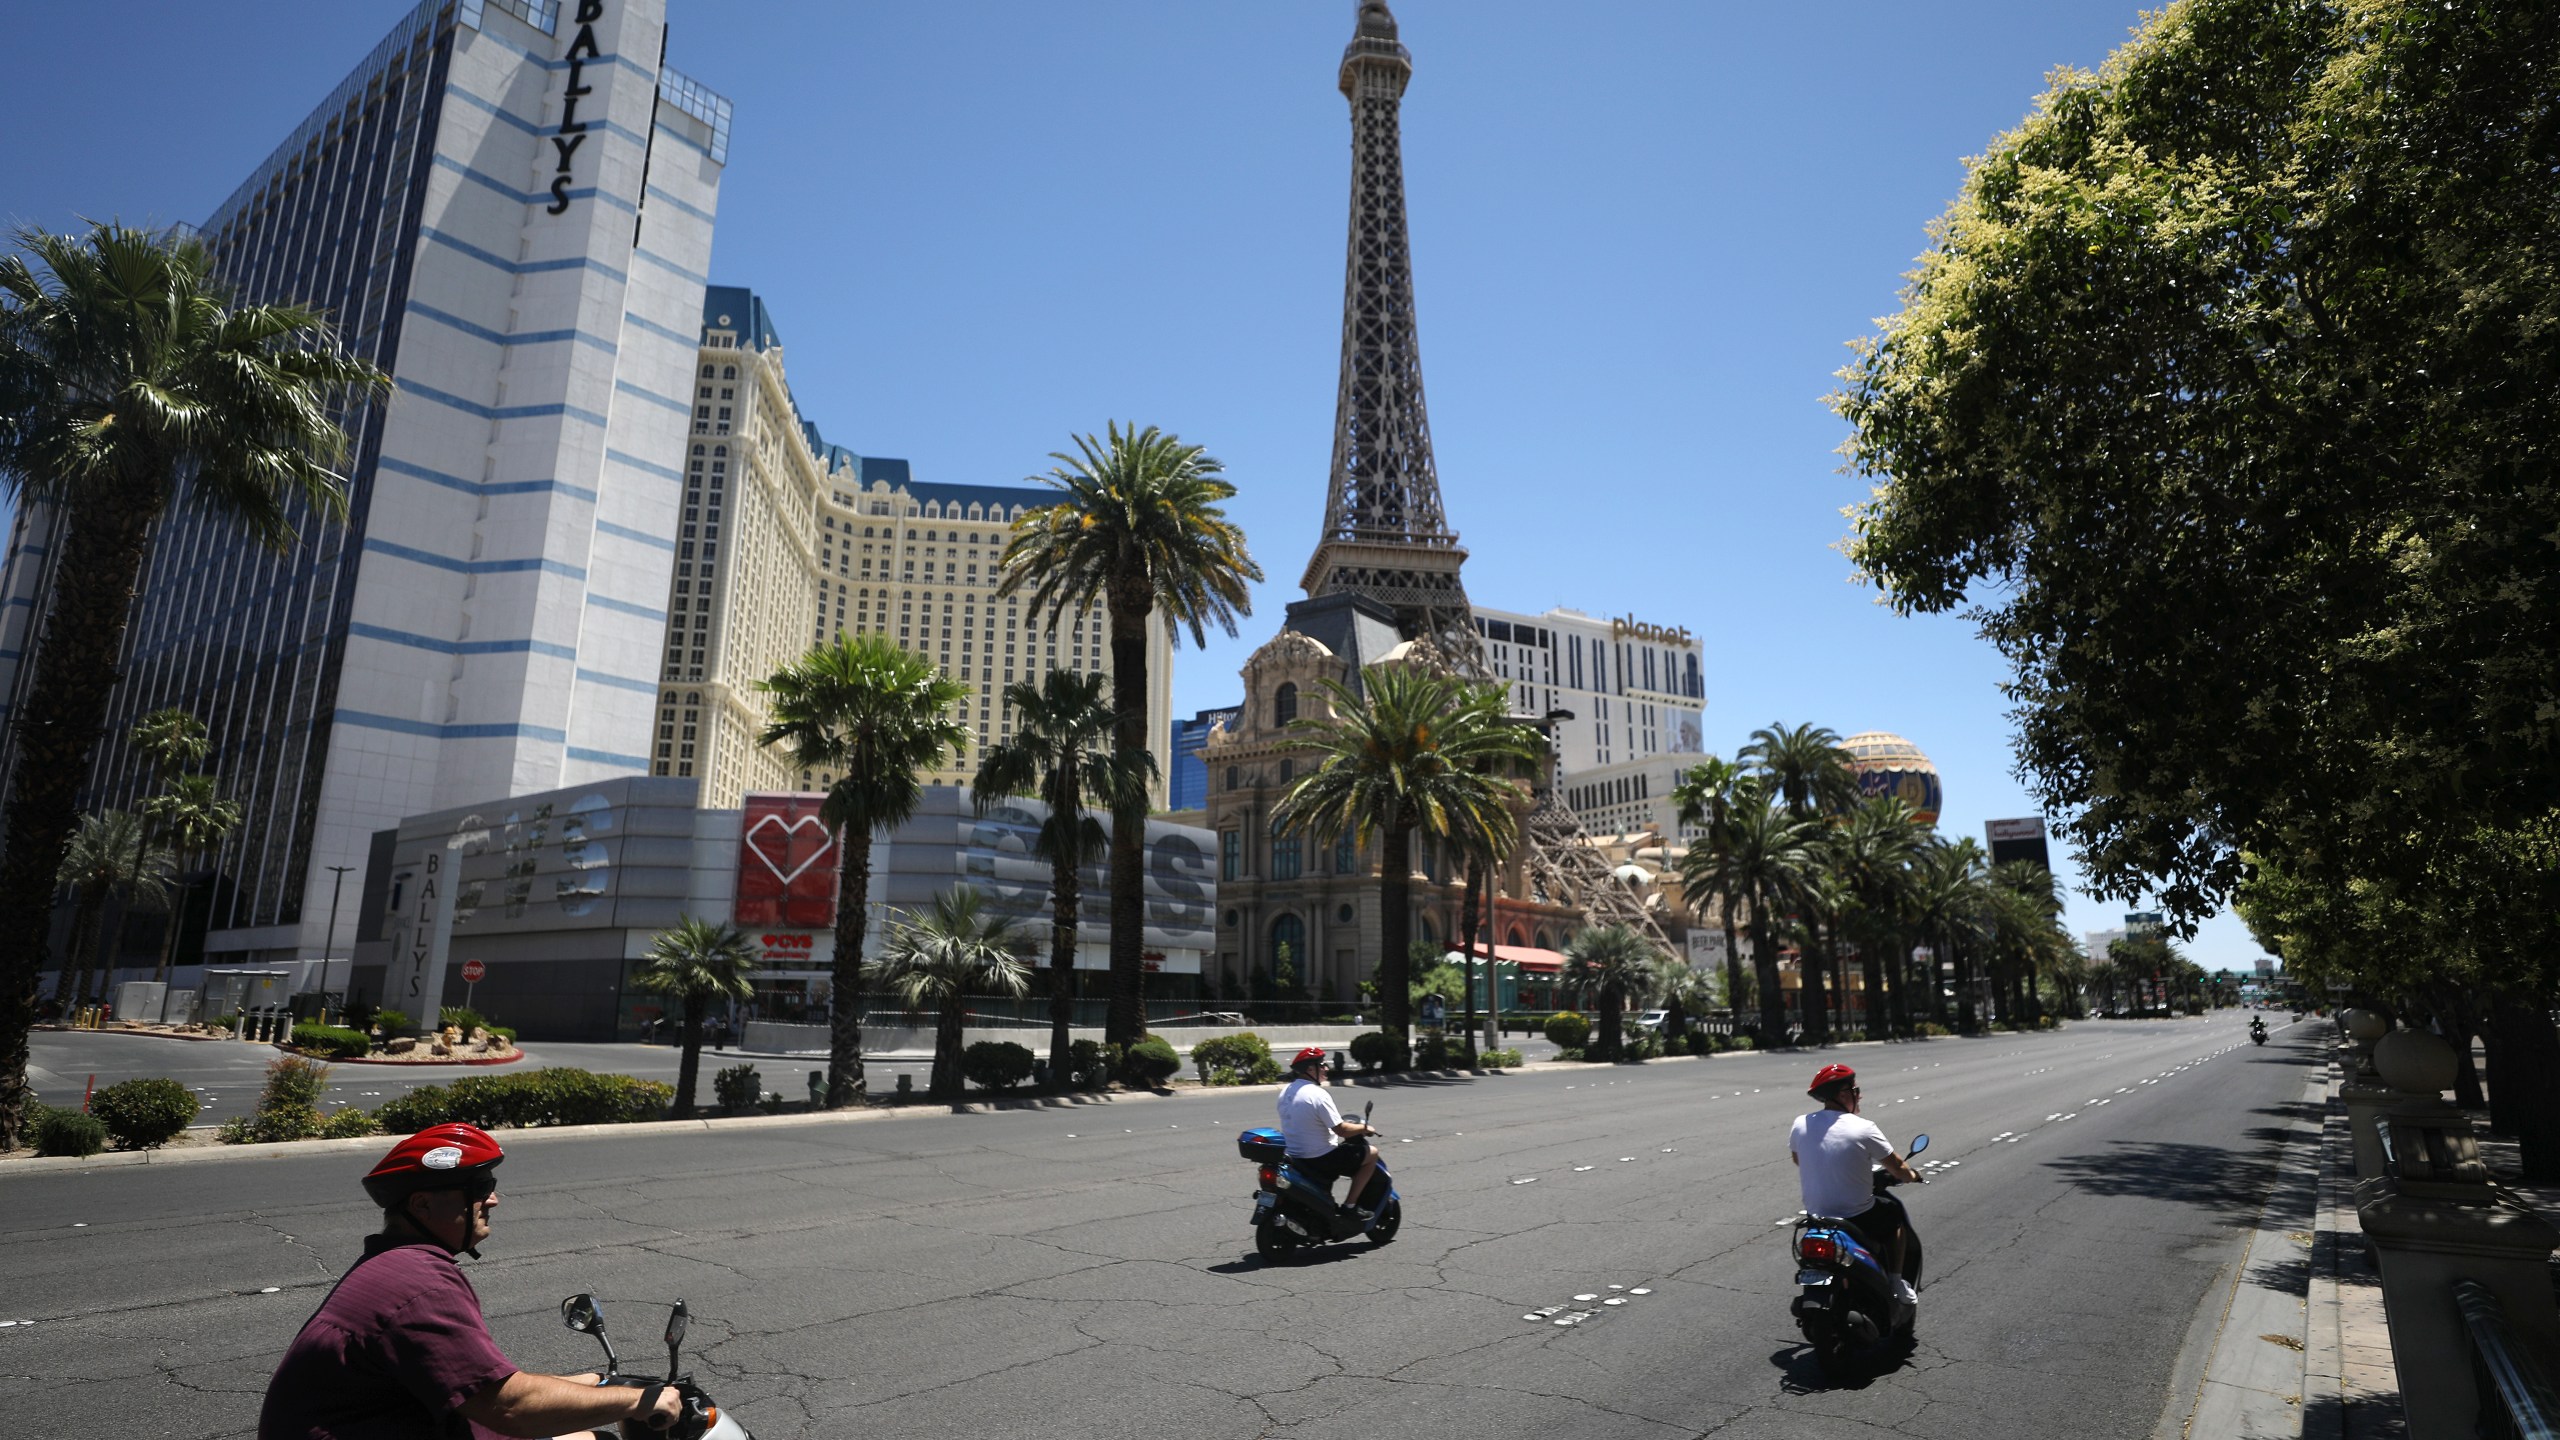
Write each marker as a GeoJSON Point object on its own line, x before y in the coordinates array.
{"type": "Point", "coordinates": [787, 863]}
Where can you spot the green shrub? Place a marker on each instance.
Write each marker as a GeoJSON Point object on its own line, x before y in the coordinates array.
{"type": "Point", "coordinates": [1243, 1053]}
{"type": "Point", "coordinates": [738, 1087]}
{"type": "Point", "coordinates": [357, 1014]}
{"type": "Point", "coordinates": [68, 1132]}
{"type": "Point", "coordinates": [336, 1042]}
{"type": "Point", "coordinates": [1433, 1051]}
{"type": "Point", "coordinates": [462, 1018]}
{"type": "Point", "coordinates": [393, 1022]}
{"type": "Point", "coordinates": [1370, 1048]}
{"type": "Point", "coordinates": [1499, 1059]}
{"type": "Point", "coordinates": [503, 1032]}
{"type": "Point", "coordinates": [998, 1064]}
{"type": "Point", "coordinates": [1569, 1052]}
{"type": "Point", "coordinates": [1568, 1031]}
{"type": "Point", "coordinates": [1746, 1042]}
{"type": "Point", "coordinates": [1093, 1063]}
{"type": "Point", "coordinates": [1639, 1044]}
{"type": "Point", "coordinates": [144, 1114]}
{"type": "Point", "coordinates": [349, 1124]}
{"type": "Point", "coordinates": [1150, 1062]}
{"type": "Point", "coordinates": [293, 1084]}
{"type": "Point", "coordinates": [2046, 1022]}
{"type": "Point", "coordinates": [271, 1126]}
{"type": "Point", "coordinates": [545, 1097]}
{"type": "Point", "coordinates": [1930, 1028]}
{"type": "Point", "coordinates": [1699, 1042]}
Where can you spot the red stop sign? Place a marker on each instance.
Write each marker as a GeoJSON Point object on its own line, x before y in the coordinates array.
{"type": "Point", "coordinates": [473, 972]}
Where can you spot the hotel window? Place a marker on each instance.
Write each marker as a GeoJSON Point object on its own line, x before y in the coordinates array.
{"type": "Point", "coordinates": [1346, 854]}
{"type": "Point", "coordinates": [1284, 853]}
{"type": "Point", "coordinates": [1230, 854]}
{"type": "Point", "coordinates": [1284, 705]}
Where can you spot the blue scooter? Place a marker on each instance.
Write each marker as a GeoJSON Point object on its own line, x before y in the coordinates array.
{"type": "Point", "coordinates": [1849, 1308]}
{"type": "Point", "coordinates": [1292, 1211]}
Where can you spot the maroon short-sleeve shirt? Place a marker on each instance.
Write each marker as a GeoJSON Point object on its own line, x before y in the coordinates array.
{"type": "Point", "coordinates": [392, 1354]}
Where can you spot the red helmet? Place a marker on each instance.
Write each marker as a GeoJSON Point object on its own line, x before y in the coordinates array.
{"type": "Point", "coordinates": [452, 1156]}
{"type": "Point", "coordinates": [1828, 1076]}
{"type": "Point", "coordinates": [1312, 1055]}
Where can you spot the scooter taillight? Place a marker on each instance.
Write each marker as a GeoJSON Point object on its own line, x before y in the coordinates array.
{"type": "Point", "coordinates": [1270, 1177]}
{"type": "Point", "coordinates": [1818, 1250]}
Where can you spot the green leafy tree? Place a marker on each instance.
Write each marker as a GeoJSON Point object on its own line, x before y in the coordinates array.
{"type": "Point", "coordinates": [1617, 965]}
{"type": "Point", "coordinates": [1805, 765]}
{"type": "Point", "coordinates": [1412, 750]}
{"type": "Point", "coordinates": [1062, 751]}
{"type": "Point", "coordinates": [129, 382]}
{"type": "Point", "coordinates": [1705, 798]}
{"type": "Point", "coordinates": [1139, 529]}
{"type": "Point", "coordinates": [110, 858]}
{"type": "Point", "coordinates": [938, 959]}
{"type": "Point", "coordinates": [696, 963]}
{"type": "Point", "coordinates": [2260, 318]}
{"type": "Point", "coordinates": [191, 815]}
{"type": "Point", "coordinates": [876, 718]}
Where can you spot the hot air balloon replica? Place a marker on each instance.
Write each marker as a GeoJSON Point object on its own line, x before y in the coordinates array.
{"type": "Point", "coordinates": [1890, 765]}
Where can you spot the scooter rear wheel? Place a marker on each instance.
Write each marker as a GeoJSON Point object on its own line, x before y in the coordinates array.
{"type": "Point", "coordinates": [1273, 1243]}
{"type": "Point", "coordinates": [1390, 1220]}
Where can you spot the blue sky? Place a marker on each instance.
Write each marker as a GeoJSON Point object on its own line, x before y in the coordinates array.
{"type": "Point", "coordinates": [1643, 231]}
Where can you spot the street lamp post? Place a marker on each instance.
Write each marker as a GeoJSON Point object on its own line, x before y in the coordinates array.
{"type": "Point", "coordinates": [329, 942]}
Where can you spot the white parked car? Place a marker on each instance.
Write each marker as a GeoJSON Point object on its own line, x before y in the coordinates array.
{"type": "Point", "coordinates": [1652, 1020]}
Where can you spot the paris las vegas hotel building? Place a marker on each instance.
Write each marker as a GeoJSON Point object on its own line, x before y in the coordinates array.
{"type": "Point", "coordinates": [585, 520]}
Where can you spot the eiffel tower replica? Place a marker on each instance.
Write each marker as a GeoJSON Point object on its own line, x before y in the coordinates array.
{"type": "Point", "coordinates": [1385, 534]}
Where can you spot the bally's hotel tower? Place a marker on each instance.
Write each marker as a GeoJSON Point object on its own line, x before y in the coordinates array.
{"type": "Point", "coordinates": [508, 206]}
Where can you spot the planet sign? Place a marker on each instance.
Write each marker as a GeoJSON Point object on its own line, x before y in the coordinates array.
{"type": "Point", "coordinates": [472, 971]}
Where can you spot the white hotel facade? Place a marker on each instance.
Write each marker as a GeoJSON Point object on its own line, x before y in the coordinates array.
{"type": "Point", "coordinates": [509, 206]}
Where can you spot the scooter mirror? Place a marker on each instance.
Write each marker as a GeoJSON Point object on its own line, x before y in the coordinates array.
{"type": "Point", "coordinates": [1919, 1143]}
{"type": "Point", "coordinates": [579, 1313]}
{"type": "Point", "coordinates": [1367, 1110]}
{"type": "Point", "coordinates": [678, 1321]}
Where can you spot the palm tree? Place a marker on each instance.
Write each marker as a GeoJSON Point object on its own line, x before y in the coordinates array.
{"type": "Point", "coordinates": [1772, 855]}
{"type": "Point", "coordinates": [172, 740]}
{"type": "Point", "coordinates": [1139, 528]}
{"type": "Point", "coordinates": [192, 817]}
{"type": "Point", "coordinates": [1952, 904]}
{"type": "Point", "coordinates": [1874, 852]}
{"type": "Point", "coordinates": [1410, 750]}
{"type": "Point", "coordinates": [875, 718]}
{"type": "Point", "coordinates": [110, 856]}
{"type": "Point", "coordinates": [1705, 798]}
{"type": "Point", "coordinates": [1616, 962]}
{"type": "Point", "coordinates": [697, 962]}
{"type": "Point", "coordinates": [1061, 751]}
{"type": "Point", "coordinates": [939, 959]}
{"type": "Point", "coordinates": [1806, 765]}
{"type": "Point", "coordinates": [2030, 916]}
{"type": "Point", "coordinates": [1828, 904]}
{"type": "Point", "coordinates": [126, 381]}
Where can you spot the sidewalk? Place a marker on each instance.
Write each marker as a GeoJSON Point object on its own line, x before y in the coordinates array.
{"type": "Point", "coordinates": [2350, 1385]}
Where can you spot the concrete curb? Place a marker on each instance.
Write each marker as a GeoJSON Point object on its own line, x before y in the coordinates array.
{"type": "Point", "coordinates": [2350, 1379]}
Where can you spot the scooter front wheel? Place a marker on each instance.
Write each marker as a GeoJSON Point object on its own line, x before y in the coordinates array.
{"type": "Point", "coordinates": [1390, 1220]}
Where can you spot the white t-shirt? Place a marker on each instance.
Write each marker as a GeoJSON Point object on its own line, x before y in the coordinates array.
{"type": "Point", "coordinates": [1307, 1118]}
{"type": "Point", "coordinates": [1835, 1157]}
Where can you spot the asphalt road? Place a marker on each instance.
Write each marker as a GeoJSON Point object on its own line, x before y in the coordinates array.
{"type": "Point", "coordinates": [1085, 1268]}
{"type": "Point", "coordinates": [227, 1075]}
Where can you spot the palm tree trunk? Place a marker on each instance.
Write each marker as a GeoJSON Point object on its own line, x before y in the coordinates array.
{"type": "Point", "coordinates": [845, 1084]}
{"type": "Point", "coordinates": [1468, 914]}
{"type": "Point", "coordinates": [1129, 605]}
{"type": "Point", "coordinates": [57, 732]}
{"type": "Point", "coordinates": [1612, 1003]}
{"type": "Point", "coordinates": [68, 985]}
{"type": "Point", "coordinates": [692, 1062]}
{"type": "Point", "coordinates": [1816, 991]}
{"type": "Point", "coordinates": [946, 1084]}
{"type": "Point", "coordinates": [1395, 937]}
{"type": "Point", "coordinates": [1732, 963]}
{"type": "Point", "coordinates": [1065, 899]}
{"type": "Point", "coordinates": [1965, 1017]}
{"type": "Point", "coordinates": [101, 961]}
{"type": "Point", "coordinates": [1764, 964]}
{"type": "Point", "coordinates": [178, 888]}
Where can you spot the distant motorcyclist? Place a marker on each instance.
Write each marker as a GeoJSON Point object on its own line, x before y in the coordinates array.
{"type": "Point", "coordinates": [399, 1348]}
{"type": "Point", "coordinates": [1835, 1150]}
{"type": "Point", "coordinates": [1322, 1145]}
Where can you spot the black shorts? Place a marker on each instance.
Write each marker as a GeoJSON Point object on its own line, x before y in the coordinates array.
{"type": "Point", "coordinates": [1339, 1163]}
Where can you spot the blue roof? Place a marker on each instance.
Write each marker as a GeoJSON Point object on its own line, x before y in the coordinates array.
{"type": "Point", "coordinates": [743, 311]}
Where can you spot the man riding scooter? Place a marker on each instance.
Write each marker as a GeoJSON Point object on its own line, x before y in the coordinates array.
{"type": "Point", "coordinates": [1322, 1145]}
{"type": "Point", "coordinates": [1835, 1150]}
{"type": "Point", "coordinates": [2258, 1029]}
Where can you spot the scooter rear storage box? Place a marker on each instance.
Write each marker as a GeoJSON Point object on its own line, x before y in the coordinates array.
{"type": "Point", "coordinates": [1262, 1147]}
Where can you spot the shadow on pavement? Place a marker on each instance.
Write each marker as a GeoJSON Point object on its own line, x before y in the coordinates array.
{"type": "Point", "coordinates": [1801, 1371]}
{"type": "Point", "coordinates": [2234, 1182]}
{"type": "Point", "coordinates": [1333, 1254]}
